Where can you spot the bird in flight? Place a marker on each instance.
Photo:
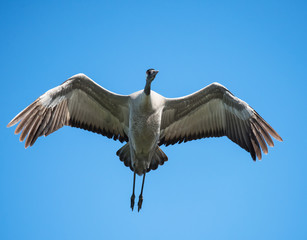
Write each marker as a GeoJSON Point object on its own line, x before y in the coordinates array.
{"type": "Point", "coordinates": [145, 120]}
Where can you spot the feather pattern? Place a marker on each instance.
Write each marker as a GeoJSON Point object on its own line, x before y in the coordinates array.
{"type": "Point", "coordinates": [214, 112]}
{"type": "Point", "coordinates": [78, 102]}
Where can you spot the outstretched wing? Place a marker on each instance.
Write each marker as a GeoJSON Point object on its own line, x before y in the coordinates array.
{"type": "Point", "coordinates": [78, 102]}
{"type": "Point", "coordinates": [214, 112]}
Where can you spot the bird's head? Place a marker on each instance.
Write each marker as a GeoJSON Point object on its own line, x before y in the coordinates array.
{"type": "Point", "coordinates": [151, 74]}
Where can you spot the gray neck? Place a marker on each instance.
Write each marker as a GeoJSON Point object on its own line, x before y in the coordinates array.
{"type": "Point", "coordinates": [147, 87]}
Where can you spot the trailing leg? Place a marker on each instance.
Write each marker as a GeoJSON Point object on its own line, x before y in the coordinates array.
{"type": "Point", "coordinates": [141, 195]}
{"type": "Point", "coordinates": [133, 196]}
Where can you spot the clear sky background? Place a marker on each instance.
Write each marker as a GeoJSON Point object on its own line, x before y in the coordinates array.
{"type": "Point", "coordinates": [71, 185]}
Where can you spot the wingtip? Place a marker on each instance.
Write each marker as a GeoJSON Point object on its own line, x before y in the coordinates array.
{"type": "Point", "coordinates": [260, 157]}
{"type": "Point", "coordinates": [279, 139]}
{"type": "Point", "coordinates": [10, 124]}
{"type": "Point", "coordinates": [276, 136]}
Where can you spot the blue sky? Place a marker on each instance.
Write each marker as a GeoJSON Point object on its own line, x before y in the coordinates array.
{"type": "Point", "coordinates": [71, 185]}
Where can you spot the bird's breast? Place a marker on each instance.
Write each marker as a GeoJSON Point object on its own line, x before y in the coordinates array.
{"type": "Point", "coordinates": [144, 131]}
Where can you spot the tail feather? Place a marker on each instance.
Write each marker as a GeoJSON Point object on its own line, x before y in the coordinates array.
{"type": "Point", "coordinates": [124, 155]}
{"type": "Point", "coordinates": [158, 158]}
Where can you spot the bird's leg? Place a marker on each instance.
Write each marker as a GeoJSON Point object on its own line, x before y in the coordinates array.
{"type": "Point", "coordinates": [141, 195]}
{"type": "Point", "coordinates": [133, 196]}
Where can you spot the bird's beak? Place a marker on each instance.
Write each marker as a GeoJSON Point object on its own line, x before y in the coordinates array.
{"type": "Point", "coordinates": [156, 72]}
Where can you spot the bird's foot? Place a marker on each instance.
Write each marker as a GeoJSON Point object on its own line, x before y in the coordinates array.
{"type": "Point", "coordinates": [132, 201]}
{"type": "Point", "coordinates": [140, 202]}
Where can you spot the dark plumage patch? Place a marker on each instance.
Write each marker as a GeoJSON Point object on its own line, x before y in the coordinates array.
{"type": "Point", "coordinates": [158, 159]}
{"type": "Point", "coordinates": [104, 132]}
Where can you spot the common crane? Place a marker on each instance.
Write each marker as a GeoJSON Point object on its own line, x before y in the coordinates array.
{"type": "Point", "coordinates": [145, 120]}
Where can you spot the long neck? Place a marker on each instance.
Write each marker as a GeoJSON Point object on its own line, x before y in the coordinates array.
{"type": "Point", "coordinates": [147, 87]}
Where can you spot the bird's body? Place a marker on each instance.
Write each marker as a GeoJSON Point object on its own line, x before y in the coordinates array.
{"type": "Point", "coordinates": [144, 128]}
{"type": "Point", "coordinates": [145, 120]}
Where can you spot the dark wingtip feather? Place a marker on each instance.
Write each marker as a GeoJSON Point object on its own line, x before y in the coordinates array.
{"type": "Point", "coordinates": [279, 138]}
{"type": "Point", "coordinates": [20, 115]}
{"type": "Point", "coordinates": [269, 128]}
{"type": "Point", "coordinates": [259, 138]}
